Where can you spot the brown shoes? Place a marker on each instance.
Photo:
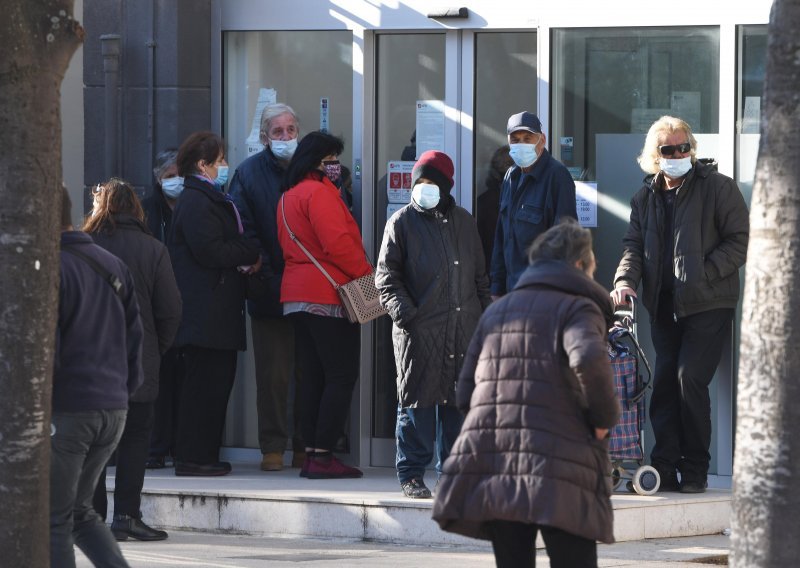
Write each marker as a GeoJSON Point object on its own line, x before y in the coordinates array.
{"type": "Point", "coordinates": [272, 461]}
{"type": "Point", "coordinates": [298, 459]}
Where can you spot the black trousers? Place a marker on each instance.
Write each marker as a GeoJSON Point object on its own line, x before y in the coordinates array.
{"type": "Point", "coordinates": [207, 384]}
{"type": "Point", "coordinates": [687, 354]}
{"type": "Point", "coordinates": [328, 352]}
{"type": "Point", "coordinates": [514, 546]}
{"type": "Point", "coordinates": [131, 455]}
{"type": "Point", "coordinates": [165, 423]}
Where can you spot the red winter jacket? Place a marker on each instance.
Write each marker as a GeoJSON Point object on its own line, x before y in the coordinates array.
{"type": "Point", "coordinates": [321, 221]}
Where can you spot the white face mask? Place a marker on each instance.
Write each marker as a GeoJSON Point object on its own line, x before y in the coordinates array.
{"type": "Point", "coordinates": [426, 195]}
{"type": "Point", "coordinates": [676, 168]}
{"type": "Point", "coordinates": [283, 149]}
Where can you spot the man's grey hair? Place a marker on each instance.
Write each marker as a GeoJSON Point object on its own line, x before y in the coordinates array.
{"type": "Point", "coordinates": [273, 111]}
{"type": "Point", "coordinates": [164, 159]}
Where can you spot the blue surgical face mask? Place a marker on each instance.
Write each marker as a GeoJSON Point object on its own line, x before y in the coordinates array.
{"type": "Point", "coordinates": [676, 168]}
{"type": "Point", "coordinates": [172, 187]}
{"type": "Point", "coordinates": [524, 155]}
{"type": "Point", "coordinates": [426, 195]}
{"type": "Point", "coordinates": [283, 149]}
{"type": "Point", "coordinates": [222, 175]}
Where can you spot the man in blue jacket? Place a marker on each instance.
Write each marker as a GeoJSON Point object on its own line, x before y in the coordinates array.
{"type": "Point", "coordinates": [97, 366]}
{"type": "Point", "coordinates": [256, 189]}
{"type": "Point", "coordinates": [537, 193]}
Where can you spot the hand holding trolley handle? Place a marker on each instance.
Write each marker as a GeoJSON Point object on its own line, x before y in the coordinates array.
{"type": "Point", "coordinates": [620, 295]}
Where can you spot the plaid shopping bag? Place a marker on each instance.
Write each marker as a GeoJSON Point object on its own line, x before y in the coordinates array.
{"type": "Point", "coordinates": [625, 440]}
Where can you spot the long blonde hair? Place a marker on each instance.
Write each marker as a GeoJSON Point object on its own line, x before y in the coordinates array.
{"type": "Point", "coordinates": [114, 197]}
{"type": "Point", "coordinates": [659, 130]}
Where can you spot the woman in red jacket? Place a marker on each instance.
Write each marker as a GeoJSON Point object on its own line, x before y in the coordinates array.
{"type": "Point", "coordinates": [327, 343]}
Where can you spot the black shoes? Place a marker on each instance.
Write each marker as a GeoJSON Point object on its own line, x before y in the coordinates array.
{"type": "Point", "coordinates": [125, 527]}
{"type": "Point", "coordinates": [669, 482]}
{"type": "Point", "coordinates": [155, 462]}
{"type": "Point", "coordinates": [190, 469]}
{"type": "Point", "coordinates": [691, 486]}
{"type": "Point", "coordinates": [415, 489]}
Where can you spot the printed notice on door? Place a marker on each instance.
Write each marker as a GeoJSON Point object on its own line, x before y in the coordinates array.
{"type": "Point", "coordinates": [398, 182]}
{"type": "Point", "coordinates": [253, 142]}
{"type": "Point", "coordinates": [586, 203]}
{"type": "Point", "coordinates": [430, 126]}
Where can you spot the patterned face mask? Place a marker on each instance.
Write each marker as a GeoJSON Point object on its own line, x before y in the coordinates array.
{"type": "Point", "coordinates": [333, 169]}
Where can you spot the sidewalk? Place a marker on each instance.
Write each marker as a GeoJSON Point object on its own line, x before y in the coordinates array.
{"type": "Point", "coordinates": [283, 505]}
{"type": "Point", "coordinates": [185, 549]}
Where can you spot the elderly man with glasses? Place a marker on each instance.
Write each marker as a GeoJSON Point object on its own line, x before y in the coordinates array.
{"type": "Point", "coordinates": [686, 241]}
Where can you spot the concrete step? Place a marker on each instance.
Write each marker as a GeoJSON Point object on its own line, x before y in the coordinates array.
{"type": "Point", "coordinates": [282, 504]}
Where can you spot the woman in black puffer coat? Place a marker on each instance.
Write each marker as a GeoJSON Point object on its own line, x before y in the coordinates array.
{"type": "Point", "coordinates": [117, 224]}
{"type": "Point", "coordinates": [538, 391]}
{"type": "Point", "coordinates": [431, 276]}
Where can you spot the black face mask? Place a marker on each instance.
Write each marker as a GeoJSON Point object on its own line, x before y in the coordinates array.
{"type": "Point", "coordinates": [333, 169]}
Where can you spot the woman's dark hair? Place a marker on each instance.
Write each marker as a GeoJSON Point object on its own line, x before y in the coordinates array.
{"type": "Point", "coordinates": [205, 146]}
{"type": "Point", "coordinates": [309, 154]}
{"type": "Point", "coordinates": [114, 197]}
{"type": "Point", "coordinates": [567, 241]}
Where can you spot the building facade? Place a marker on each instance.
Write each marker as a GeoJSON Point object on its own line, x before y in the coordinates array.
{"type": "Point", "coordinates": [396, 78]}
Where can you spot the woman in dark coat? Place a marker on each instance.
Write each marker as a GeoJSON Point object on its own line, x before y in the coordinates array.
{"type": "Point", "coordinates": [211, 258]}
{"type": "Point", "coordinates": [431, 276]}
{"type": "Point", "coordinates": [117, 225]}
{"type": "Point", "coordinates": [539, 395]}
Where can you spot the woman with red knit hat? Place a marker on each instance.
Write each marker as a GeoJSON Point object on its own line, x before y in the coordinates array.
{"type": "Point", "coordinates": [432, 280]}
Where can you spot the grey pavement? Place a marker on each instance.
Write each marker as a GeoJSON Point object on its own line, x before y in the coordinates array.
{"type": "Point", "coordinates": [193, 549]}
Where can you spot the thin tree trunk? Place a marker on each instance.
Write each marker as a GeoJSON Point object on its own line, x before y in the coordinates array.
{"type": "Point", "coordinates": [766, 494]}
{"type": "Point", "coordinates": [38, 38]}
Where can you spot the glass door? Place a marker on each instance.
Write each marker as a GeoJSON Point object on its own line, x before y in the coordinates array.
{"type": "Point", "coordinates": [451, 91]}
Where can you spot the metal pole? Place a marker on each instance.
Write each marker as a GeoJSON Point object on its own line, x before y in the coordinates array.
{"type": "Point", "coordinates": [110, 50]}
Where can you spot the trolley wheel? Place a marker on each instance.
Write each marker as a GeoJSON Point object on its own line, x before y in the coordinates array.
{"type": "Point", "coordinates": [646, 480]}
{"type": "Point", "coordinates": [617, 478]}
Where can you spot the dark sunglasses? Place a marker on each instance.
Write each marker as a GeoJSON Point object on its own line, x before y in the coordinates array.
{"type": "Point", "coordinates": [669, 149]}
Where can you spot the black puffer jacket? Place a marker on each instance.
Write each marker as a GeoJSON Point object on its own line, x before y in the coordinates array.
{"type": "Point", "coordinates": [156, 291]}
{"type": "Point", "coordinates": [711, 229]}
{"type": "Point", "coordinates": [535, 384]}
{"type": "Point", "coordinates": [432, 279]}
{"type": "Point", "coordinates": [206, 247]}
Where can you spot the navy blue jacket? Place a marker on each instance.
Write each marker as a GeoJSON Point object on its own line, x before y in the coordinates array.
{"type": "Point", "coordinates": [157, 214]}
{"type": "Point", "coordinates": [206, 247]}
{"type": "Point", "coordinates": [530, 203]}
{"type": "Point", "coordinates": [98, 359]}
{"type": "Point", "coordinates": [256, 189]}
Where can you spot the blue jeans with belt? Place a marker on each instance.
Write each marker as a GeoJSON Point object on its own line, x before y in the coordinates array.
{"type": "Point", "coordinates": [417, 430]}
{"type": "Point", "coordinates": [80, 447]}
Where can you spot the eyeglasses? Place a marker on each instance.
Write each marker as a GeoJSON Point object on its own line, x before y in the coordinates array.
{"type": "Point", "coordinates": [669, 149]}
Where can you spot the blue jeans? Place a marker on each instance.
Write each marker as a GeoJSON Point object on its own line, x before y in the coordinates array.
{"type": "Point", "coordinates": [416, 431]}
{"type": "Point", "coordinates": [79, 449]}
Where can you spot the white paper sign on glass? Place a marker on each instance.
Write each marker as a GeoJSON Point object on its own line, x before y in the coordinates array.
{"type": "Point", "coordinates": [430, 126]}
{"type": "Point", "coordinates": [398, 181]}
{"type": "Point", "coordinates": [253, 142]}
{"type": "Point", "coordinates": [586, 203]}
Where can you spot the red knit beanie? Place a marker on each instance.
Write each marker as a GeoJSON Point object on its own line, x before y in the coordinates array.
{"type": "Point", "coordinates": [435, 166]}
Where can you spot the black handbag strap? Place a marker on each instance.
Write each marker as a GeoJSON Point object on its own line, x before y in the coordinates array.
{"type": "Point", "coordinates": [108, 276]}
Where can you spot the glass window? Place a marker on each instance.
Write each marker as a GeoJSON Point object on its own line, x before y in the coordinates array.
{"type": "Point", "coordinates": [311, 71]}
{"type": "Point", "coordinates": [752, 70]}
{"type": "Point", "coordinates": [505, 83]}
{"type": "Point", "coordinates": [410, 68]}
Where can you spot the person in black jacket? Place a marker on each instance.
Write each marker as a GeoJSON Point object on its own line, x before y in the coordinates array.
{"type": "Point", "coordinates": [97, 366]}
{"type": "Point", "coordinates": [117, 225]}
{"type": "Point", "coordinates": [255, 190]}
{"type": "Point", "coordinates": [432, 280]}
{"type": "Point", "coordinates": [211, 258]}
{"type": "Point", "coordinates": [686, 241]}
{"type": "Point", "coordinates": [158, 208]}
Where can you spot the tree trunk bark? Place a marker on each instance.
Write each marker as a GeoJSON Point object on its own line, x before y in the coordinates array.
{"type": "Point", "coordinates": [39, 38]}
{"type": "Point", "coordinates": [766, 499]}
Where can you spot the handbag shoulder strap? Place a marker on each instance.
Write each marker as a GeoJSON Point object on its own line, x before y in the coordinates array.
{"type": "Point", "coordinates": [304, 249]}
{"type": "Point", "coordinates": [107, 275]}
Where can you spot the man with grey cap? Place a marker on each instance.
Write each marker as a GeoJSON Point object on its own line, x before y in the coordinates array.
{"type": "Point", "coordinates": [537, 192]}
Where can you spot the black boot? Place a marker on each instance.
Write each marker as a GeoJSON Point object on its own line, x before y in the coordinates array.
{"type": "Point", "coordinates": [125, 526]}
